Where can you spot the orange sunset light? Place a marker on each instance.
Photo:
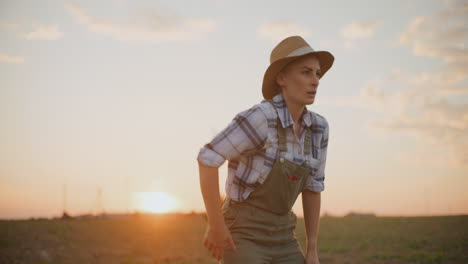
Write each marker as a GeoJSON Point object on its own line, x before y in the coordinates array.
{"type": "Point", "coordinates": [154, 202]}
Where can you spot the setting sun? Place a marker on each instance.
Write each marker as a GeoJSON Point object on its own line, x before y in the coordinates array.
{"type": "Point", "coordinates": [154, 202]}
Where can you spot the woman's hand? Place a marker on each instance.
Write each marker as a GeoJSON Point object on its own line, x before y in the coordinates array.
{"type": "Point", "coordinates": [311, 257]}
{"type": "Point", "coordinates": [216, 238]}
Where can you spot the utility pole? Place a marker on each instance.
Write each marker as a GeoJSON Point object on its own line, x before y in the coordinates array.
{"type": "Point", "coordinates": [65, 215]}
{"type": "Point", "coordinates": [64, 197]}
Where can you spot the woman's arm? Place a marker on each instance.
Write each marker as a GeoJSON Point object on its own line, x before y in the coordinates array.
{"type": "Point", "coordinates": [311, 206]}
{"type": "Point", "coordinates": [209, 184]}
{"type": "Point", "coordinates": [217, 233]}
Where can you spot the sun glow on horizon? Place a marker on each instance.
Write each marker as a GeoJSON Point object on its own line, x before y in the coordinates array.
{"type": "Point", "coordinates": [154, 202]}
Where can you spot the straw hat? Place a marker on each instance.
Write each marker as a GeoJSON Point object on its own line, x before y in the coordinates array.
{"type": "Point", "coordinates": [288, 50]}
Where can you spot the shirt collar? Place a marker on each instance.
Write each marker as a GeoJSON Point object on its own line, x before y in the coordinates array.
{"type": "Point", "coordinates": [285, 115]}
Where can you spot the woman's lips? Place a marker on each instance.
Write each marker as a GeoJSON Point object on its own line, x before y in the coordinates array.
{"type": "Point", "coordinates": [311, 94]}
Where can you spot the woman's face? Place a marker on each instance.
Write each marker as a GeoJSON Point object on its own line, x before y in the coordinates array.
{"type": "Point", "coordinates": [300, 80]}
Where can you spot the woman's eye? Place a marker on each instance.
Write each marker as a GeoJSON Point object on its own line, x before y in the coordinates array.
{"type": "Point", "coordinates": [306, 72]}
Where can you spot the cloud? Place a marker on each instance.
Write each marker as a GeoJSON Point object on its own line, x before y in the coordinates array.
{"type": "Point", "coordinates": [43, 32]}
{"type": "Point", "coordinates": [39, 32]}
{"type": "Point", "coordinates": [280, 29]}
{"type": "Point", "coordinates": [422, 105]}
{"type": "Point", "coordinates": [146, 26]}
{"type": "Point", "coordinates": [359, 29]}
{"type": "Point", "coordinates": [442, 36]}
{"type": "Point", "coordinates": [353, 32]}
{"type": "Point", "coordinates": [11, 59]}
{"type": "Point", "coordinates": [430, 106]}
{"type": "Point", "coordinates": [10, 26]}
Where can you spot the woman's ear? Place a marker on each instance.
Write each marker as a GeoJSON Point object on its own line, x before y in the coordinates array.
{"type": "Point", "coordinates": [280, 79]}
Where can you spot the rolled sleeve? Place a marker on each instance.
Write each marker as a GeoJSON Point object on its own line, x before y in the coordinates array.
{"type": "Point", "coordinates": [317, 181]}
{"type": "Point", "coordinates": [210, 157]}
{"type": "Point", "coordinates": [246, 133]}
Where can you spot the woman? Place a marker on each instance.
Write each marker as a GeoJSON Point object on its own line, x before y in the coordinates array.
{"type": "Point", "coordinates": [276, 150]}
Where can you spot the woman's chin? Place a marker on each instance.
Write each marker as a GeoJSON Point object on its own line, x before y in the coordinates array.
{"type": "Point", "coordinates": [309, 101]}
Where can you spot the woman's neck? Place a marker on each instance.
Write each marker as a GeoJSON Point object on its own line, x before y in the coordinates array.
{"type": "Point", "coordinates": [295, 109]}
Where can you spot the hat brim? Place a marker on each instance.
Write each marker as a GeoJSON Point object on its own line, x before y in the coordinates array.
{"type": "Point", "coordinates": [269, 78]}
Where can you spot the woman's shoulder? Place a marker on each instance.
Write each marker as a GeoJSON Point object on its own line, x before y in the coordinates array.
{"type": "Point", "coordinates": [263, 110]}
{"type": "Point", "coordinates": [256, 118]}
{"type": "Point", "coordinates": [318, 119]}
{"type": "Point", "coordinates": [268, 109]}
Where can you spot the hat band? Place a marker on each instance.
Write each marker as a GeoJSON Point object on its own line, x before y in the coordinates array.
{"type": "Point", "coordinates": [301, 51]}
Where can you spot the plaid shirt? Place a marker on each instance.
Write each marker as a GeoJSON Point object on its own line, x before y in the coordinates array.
{"type": "Point", "coordinates": [250, 144]}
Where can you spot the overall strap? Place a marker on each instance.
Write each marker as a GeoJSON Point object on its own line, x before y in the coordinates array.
{"type": "Point", "coordinates": [308, 141]}
{"type": "Point", "coordinates": [281, 131]}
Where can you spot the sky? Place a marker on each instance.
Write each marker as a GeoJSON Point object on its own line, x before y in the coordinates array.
{"type": "Point", "coordinates": [104, 105]}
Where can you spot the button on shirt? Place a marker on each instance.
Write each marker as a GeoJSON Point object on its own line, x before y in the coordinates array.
{"type": "Point", "coordinates": [250, 144]}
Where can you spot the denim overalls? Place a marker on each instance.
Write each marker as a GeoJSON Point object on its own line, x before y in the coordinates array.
{"type": "Point", "coordinates": [262, 226]}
